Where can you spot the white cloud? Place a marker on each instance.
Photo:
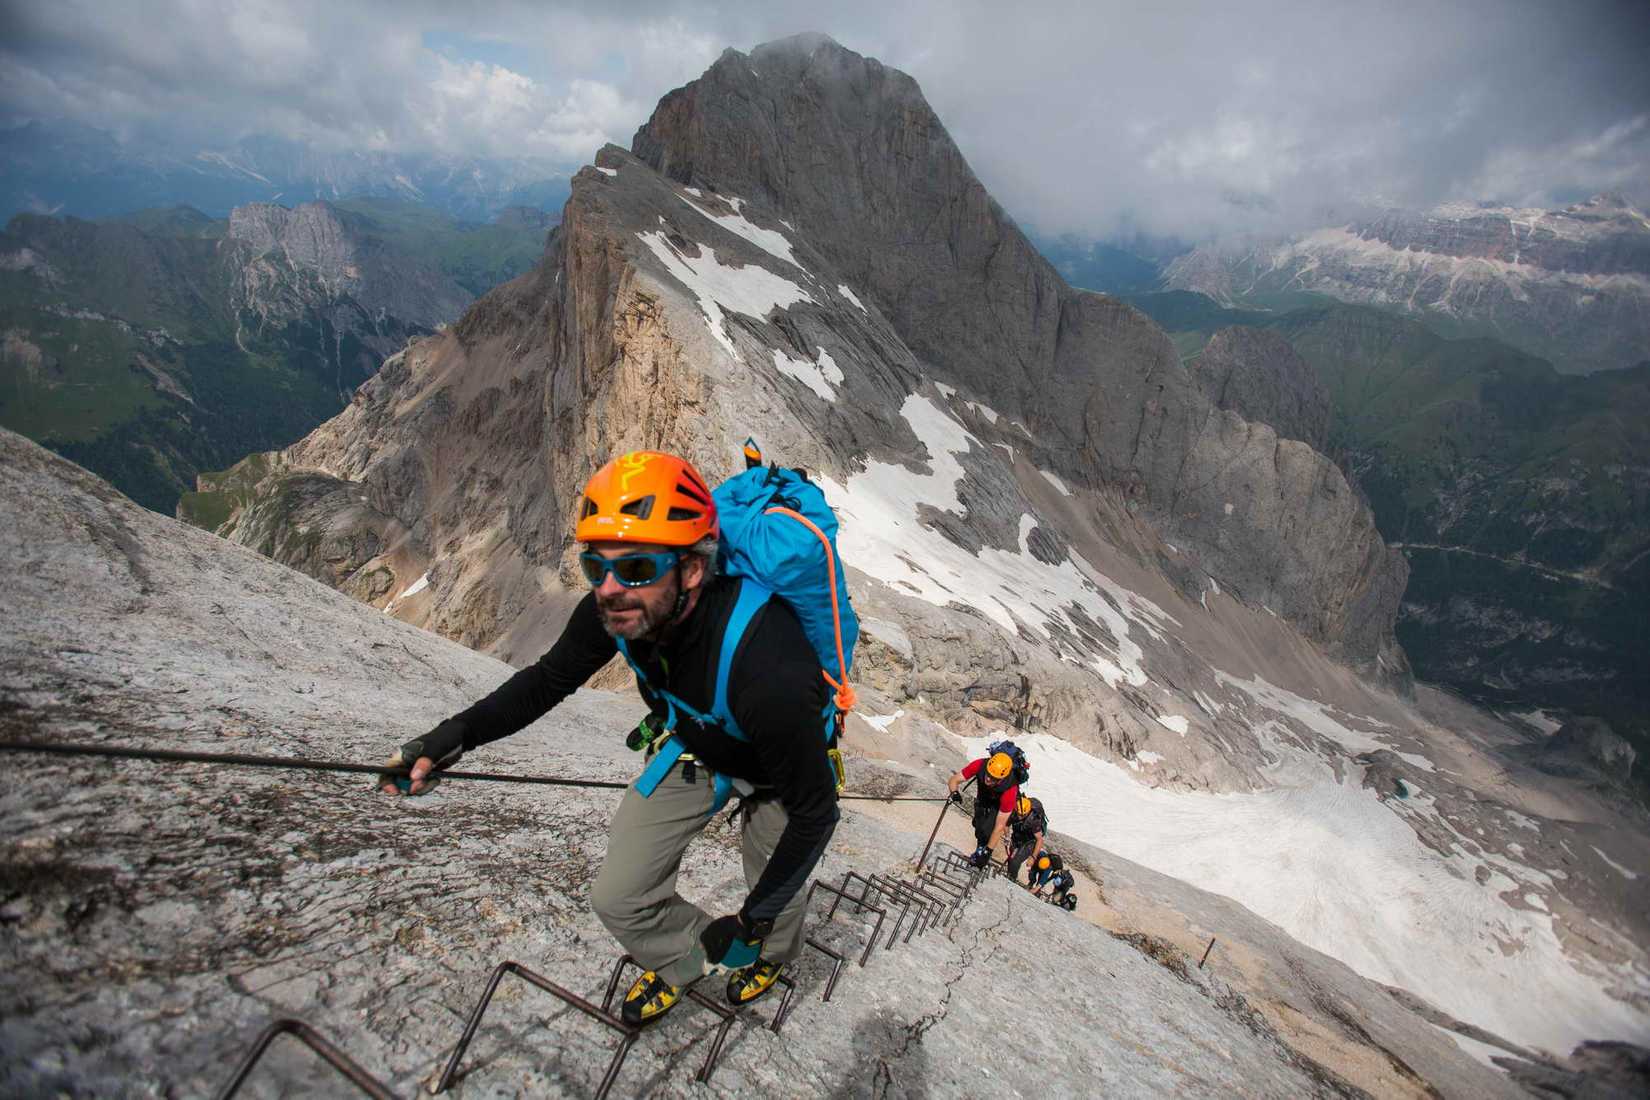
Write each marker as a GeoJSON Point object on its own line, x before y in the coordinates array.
{"type": "Point", "coordinates": [1090, 117]}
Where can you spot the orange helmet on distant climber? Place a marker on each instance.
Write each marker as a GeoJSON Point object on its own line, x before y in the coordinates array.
{"type": "Point", "coordinates": [1023, 806]}
{"type": "Point", "coordinates": [647, 496]}
{"type": "Point", "coordinates": [1000, 766]}
{"type": "Point", "coordinates": [1043, 864]}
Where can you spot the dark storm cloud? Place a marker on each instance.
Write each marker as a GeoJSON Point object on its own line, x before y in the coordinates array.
{"type": "Point", "coordinates": [1094, 118]}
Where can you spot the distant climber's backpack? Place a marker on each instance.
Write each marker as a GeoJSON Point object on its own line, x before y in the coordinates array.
{"type": "Point", "coordinates": [1022, 770]}
{"type": "Point", "coordinates": [778, 533]}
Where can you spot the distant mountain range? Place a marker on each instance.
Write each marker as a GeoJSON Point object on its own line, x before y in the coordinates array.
{"type": "Point", "coordinates": [151, 347]}
{"type": "Point", "coordinates": [68, 169]}
{"type": "Point", "coordinates": [1571, 285]}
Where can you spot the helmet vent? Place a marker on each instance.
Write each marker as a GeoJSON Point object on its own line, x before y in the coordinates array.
{"type": "Point", "coordinates": [693, 492]}
{"type": "Point", "coordinates": [683, 513]}
{"type": "Point", "coordinates": [590, 508]}
{"type": "Point", "coordinates": [641, 508]}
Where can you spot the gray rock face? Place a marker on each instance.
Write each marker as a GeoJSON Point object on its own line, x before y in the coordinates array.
{"type": "Point", "coordinates": [1259, 375]}
{"type": "Point", "coordinates": [1589, 747]}
{"type": "Point", "coordinates": [1595, 1071]}
{"type": "Point", "coordinates": [849, 152]}
{"type": "Point", "coordinates": [314, 239]}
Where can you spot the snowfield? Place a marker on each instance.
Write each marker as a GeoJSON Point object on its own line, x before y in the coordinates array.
{"type": "Point", "coordinates": [1340, 871]}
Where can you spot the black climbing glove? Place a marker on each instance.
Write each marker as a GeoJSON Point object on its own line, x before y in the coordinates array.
{"type": "Point", "coordinates": [731, 944]}
{"type": "Point", "coordinates": [444, 745]}
{"type": "Point", "coordinates": [956, 796]}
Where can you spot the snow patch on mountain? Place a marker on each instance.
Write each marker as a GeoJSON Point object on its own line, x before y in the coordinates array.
{"type": "Point", "coordinates": [1315, 717]}
{"type": "Point", "coordinates": [822, 376]}
{"type": "Point", "coordinates": [411, 590]}
{"type": "Point", "coordinates": [1056, 482]}
{"type": "Point", "coordinates": [1339, 870]}
{"type": "Point", "coordinates": [721, 288]}
{"type": "Point", "coordinates": [842, 289]}
{"type": "Point", "coordinates": [770, 241]}
{"type": "Point", "coordinates": [882, 536]}
{"type": "Point", "coordinates": [1618, 868]}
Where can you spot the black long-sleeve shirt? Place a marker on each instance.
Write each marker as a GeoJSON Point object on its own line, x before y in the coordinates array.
{"type": "Point", "coordinates": [1025, 829]}
{"type": "Point", "coordinates": [775, 692]}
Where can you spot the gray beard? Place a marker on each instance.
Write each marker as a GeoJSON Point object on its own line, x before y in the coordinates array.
{"type": "Point", "coordinates": [646, 625]}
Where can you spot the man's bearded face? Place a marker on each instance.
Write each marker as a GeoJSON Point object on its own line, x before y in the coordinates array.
{"type": "Point", "coordinates": [632, 613]}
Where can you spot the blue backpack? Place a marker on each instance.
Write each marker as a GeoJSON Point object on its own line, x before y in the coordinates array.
{"type": "Point", "coordinates": [779, 534]}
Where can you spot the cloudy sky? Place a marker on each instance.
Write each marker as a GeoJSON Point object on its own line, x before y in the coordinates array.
{"type": "Point", "coordinates": [1093, 118]}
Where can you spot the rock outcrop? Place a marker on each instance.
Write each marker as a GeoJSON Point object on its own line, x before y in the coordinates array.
{"type": "Point", "coordinates": [316, 239]}
{"type": "Point", "coordinates": [1588, 748]}
{"type": "Point", "coordinates": [1259, 375]}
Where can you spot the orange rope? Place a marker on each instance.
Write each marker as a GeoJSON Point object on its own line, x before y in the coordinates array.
{"type": "Point", "coordinates": [845, 696]}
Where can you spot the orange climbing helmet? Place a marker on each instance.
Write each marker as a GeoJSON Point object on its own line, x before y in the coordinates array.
{"type": "Point", "coordinates": [647, 496]}
{"type": "Point", "coordinates": [1000, 766]}
{"type": "Point", "coordinates": [1023, 806]}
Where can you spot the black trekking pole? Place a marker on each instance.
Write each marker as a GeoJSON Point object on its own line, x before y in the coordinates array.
{"type": "Point", "coordinates": [946, 805]}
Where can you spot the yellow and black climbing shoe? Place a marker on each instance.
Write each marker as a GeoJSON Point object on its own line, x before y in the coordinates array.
{"type": "Point", "coordinates": [648, 999]}
{"type": "Point", "coordinates": [744, 986]}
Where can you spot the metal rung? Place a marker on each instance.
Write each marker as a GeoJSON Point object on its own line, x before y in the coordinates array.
{"type": "Point", "coordinates": [784, 1004]}
{"type": "Point", "coordinates": [312, 1039]}
{"type": "Point", "coordinates": [601, 1015]}
{"type": "Point", "coordinates": [940, 907]}
{"type": "Point", "coordinates": [724, 1012]}
{"type": "Point", "coordinates": [882, 914]}
{"type": "Point", "coordinates": [927, 906]}
{"type": "Point", "coordinates": [959, 890]}
{"type": "Point", "coordinates": [836, 968]}
{"type": "Point", "coordinates": [903, 902]}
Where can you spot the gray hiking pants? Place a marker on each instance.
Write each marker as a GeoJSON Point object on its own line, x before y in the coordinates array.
{"type": "Point", "coordinates": [635, 893]}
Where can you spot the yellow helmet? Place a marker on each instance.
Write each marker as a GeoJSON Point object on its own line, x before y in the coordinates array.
{"type": "Point", "coordinates": [1000, 766]}
{"type": "Point", "coordinates": [1023, 806]}
{"type": "Point", "coordinates": [1042, 863]}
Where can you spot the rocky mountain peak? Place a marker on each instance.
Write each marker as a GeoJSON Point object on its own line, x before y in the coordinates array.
{"type": "Point", "coordinates": [797, 248]}
{"type": "Point", "coordinates": [849, 152]}
{"type": "Point", "coordinates": [317, 240]}
{"type": "Point", "coordinates": [1259, 375]}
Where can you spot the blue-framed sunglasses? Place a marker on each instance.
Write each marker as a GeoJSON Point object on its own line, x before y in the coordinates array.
{"type": "Point", "coordinates": [636, 570]}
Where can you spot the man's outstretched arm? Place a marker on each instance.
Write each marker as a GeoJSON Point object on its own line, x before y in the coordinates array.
{"type": "Point", "coordinates": [583, 648]}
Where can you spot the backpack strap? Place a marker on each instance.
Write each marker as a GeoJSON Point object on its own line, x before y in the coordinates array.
{"type": "Point", "coordinates": [675, 704]}
{"type": "Point", "coordinates": [752, 598]}
{"type": "Point", "coordinates": [844, 698]}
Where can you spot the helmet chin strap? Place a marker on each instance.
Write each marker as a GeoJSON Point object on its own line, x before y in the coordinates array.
{"type": "Point", "coordinates": [681, 595]}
